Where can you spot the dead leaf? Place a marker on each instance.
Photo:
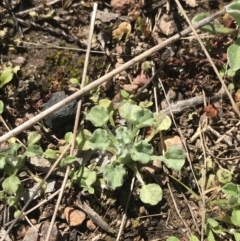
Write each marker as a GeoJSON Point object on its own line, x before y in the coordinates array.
{"type": "Point", "coordinates": [131, 89]}
{"type": "Point", "coordinates": [166, 25]}
{"type": "Point", "coordinates": [191, 3]}
{"type": "Point", "coordinates": [174, 141]}
{"type": "Point", "coordinates": [237, 96]}
{"type": "Point", "coordinates": [74, 217]}
{"type": "Point", "coordinates": [123, 28]}
{"type": "Point", "coordinates": [90, 225]}
{"type": "Point", "coordinates": [141, 79]}
{"type": "Point", "coordinates": [32, 235]}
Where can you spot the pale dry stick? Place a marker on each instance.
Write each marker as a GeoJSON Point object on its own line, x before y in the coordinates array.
{"type": "Point", "coordinates": [181, 105]}
{"type": "Point", "coordinates": [186, 150]}
{"type": "Point", "coordinates": [31, 225]}
{"type": "Point", "coordinates": [191, 211]}
{"type": "Point", "coordinates": [36, 191]}
{"type": "Point", "coordinates": [169, 188]}
{"type": "Point", "coordinates": [203, 183]}
{"type": "Point", "coordinates": [126, 208]}
{"type": "Point", "coordinates": [47, 45]}
{"type": "Point", "coordinates": [161, 138]}
{"type": "Point", "coordinates": [228, 132]}
{"type": "Point", "coordinates": [209, 58]}
{"type": "Point", "coordinates": [31, 9]}
{"type": "Point", "coordinates": [38, 205]}
{"type": "Point", "coordinates": [106, 77]}
{"type": "Point", "coordinates": [176, 207]}
{"type": "Point", "coordinates": [181, 135]}
{"type": "Point", "coordinates": [76, 121]}
{"type": "Point", "coordinates": [229, 96]}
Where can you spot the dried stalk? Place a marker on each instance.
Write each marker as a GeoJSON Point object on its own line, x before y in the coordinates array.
{"type": "Point", "coordinates": [106, 77]}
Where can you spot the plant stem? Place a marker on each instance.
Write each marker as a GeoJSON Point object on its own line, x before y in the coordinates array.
{"type": "Point", "coordinates": [136, 172]}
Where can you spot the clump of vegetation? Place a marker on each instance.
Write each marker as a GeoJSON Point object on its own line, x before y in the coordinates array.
{"type": "Point", "coordinates": [13, 165]}
{"type": "Point", "coordinates": [128, 148]}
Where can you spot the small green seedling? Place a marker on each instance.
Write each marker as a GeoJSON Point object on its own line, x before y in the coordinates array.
{"type": "Point", "coordinates": [7, 74]}
{"type": "Point", "coordinates": [12, 163]}
{"type": "Point", "coordinates": [128, 149]}
{"type": "Point", "coordinates": [233, 51]}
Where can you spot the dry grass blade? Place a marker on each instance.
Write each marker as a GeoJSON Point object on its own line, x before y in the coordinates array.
{"type": "Point", "coordinates": [76, 122]}
{"type": "Point", "coordinates": [203, 210]}
{"type": "Point", "coordinates": [106, 77]}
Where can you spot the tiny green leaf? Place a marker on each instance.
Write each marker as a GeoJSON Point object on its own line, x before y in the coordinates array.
{"type": "Point", "coordinates": [33, 138]}
{"type": "Point", "coordinates": [174, 158]}
{"type": "Point", "coordinates": [33, 150]}
{"type": "Point", "coordinates": [51, 154]}
{"type": "Point", "coordinates": [74, 81]}
{"type": "Point", "coordinates": [11, 201]}
{"type": "Point", "coordinates": [233, 55]}
{"type": "Point", "coordinates": [235, 217]}
{"type": "Point", "coordinates": [231, 87]}
{"type": "Point", "coordinates": [123, 135]}
{"type": "Point", "coordinates": [209, 233]}
{"type": "Point", "coordinates": [193, 238]}
{"type": "Point", "coordinates": [128, 112]}
{"type": "Point", "coordinates": [124, 94]}
{"type": "Point", "coordinates": [83, 140]}
{"type": "Point", "coordinates": [113, 175]}
{"type": "Point", "coordinates": [15, 69]}
{"type": "Point", "coordinates": [98, 115]}
{"type": "Point", "coordinates": [106, 103]}
{"type": "Point", "coordinates": [99, 140]}
{"type": "Point", "coordinates": [142, 152]}
{"type": "Point", "coordinates": [2, 161]}
{"type": "Point", "coordinates": [2, 196]}
{"type": "Point", "coordinates": [213, 28]}
{"type": "Point", "coordinates": [172, 238]}
{"type": "Point", "coordinates": [212, 222]}
{"type": "Point", "coordinates": [67, 160]}
{"type": "Point", "coordinates": [16, 213]}
{"type": "Point", "coordinates": [92, 177]}
{"type": "Point", "coordinates": [6, 77]}
{"type": "Point", "coordinates": [163, 122]}
{"type": "Point", "coordinates": [224, 176]}
{"type": "Point", "coordinates": [233, 9]}
{"type": "Point", "coordinates": [146, 66]}
{"type": "Point", "coordinates": [236, 236]}
{"type": "Point", "coordinates": [15, 162]}
{"type": "Point", "coordinates": [215, 226]}
{"type": "Point", "coordinates": [151, 194]}
{"type": "Point", "coordinates": [11, 184]}
{"type": "Point", "coordinates": [230, 189]}
{"type": "Point", "coordinates": [144, 118]}
{"type": "Point", "coordinates": [1, 107]}
{"type": "Point", "coordinates": [68, 137]}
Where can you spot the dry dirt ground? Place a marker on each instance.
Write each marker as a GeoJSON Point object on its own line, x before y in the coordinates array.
{"type": "Point", "coordinates": [48, 43]}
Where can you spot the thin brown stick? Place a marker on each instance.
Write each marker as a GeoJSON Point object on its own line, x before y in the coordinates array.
{"type": "Point", "coordinates": [181, 105]}
{"type": "Point", "coordinates": [106, 77]}
{"type": "Point", "coordinates": [76, 121]}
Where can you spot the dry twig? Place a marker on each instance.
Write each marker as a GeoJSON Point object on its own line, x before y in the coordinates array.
{"type": "Point", "coordinates": [106, 77]}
